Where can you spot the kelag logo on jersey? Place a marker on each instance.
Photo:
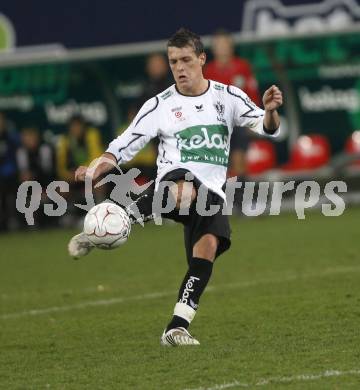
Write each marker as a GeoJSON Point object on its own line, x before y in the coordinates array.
{"type": "Point", "coordinates": [207, 144]}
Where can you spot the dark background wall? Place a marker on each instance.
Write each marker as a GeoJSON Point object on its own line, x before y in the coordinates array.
{"type": "Point", "coordinates": [84, 23]}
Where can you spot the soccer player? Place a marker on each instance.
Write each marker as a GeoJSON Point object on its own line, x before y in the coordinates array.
{"type": "Point", "coordinates": [230, 69]}
{"type": "Point", "coordinates": [193, 119]}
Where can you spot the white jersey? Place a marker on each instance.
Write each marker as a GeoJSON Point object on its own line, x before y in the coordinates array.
{"type": "Point", "coordinates": [194, 131]}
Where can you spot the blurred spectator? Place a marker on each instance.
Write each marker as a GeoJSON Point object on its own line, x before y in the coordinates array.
{"type": "Point", "coordinates": [35, 159]}
{"type": "Point", "coordinates": [80, 146]}
{"type": "Point", "coordinates": [9, 142]}
{"type": "Point", "coordinates": [158, 77]}
{"type": "Point", "coordinates": [228, 68]}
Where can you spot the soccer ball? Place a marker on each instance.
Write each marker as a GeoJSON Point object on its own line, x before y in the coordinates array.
{"type": "Point", "coordinates": [107, 225]}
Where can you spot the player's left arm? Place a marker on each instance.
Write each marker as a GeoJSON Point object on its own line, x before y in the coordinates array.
{"type": "Point", "coordinates": [272, 100]}
{"type": "Point", "coordinates": [247, 114]}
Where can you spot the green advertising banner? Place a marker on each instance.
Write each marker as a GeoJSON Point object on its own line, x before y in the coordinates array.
{"type": "Point", "coordinates": [48, 95]}
{"type": "Point", "coordinates": [319, 76]}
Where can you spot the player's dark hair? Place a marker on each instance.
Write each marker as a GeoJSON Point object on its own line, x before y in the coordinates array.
{"type": "Point", "coordinates": [184, 37]}
{"type": "Point", "coordinates": [77, 118]}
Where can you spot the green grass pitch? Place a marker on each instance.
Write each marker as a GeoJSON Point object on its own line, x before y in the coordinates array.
{"type": "Point", "coordinates": [282, 310]}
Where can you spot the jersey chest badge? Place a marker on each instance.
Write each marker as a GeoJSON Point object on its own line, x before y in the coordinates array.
{"type": "Point", "coordinates": [220, 110]}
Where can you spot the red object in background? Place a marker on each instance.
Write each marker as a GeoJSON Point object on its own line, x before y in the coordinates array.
{"type": "Point", "coordinates": [309, 152]}
{"type": "Point", "coordinates": [260, 157]}
{"type": "Point", "coordinates": [352, 145]}
{"type": "Point", "coordinates": [238, 73]}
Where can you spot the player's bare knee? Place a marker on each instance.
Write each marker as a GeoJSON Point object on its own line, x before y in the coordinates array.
{"type": "Point", "coordinates": [206, 247]}
{"type": "Point", "coordinates": [184, 193]}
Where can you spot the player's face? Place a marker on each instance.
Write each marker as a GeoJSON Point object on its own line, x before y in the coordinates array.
{"type": "Point", "coordinates": [186, 67]}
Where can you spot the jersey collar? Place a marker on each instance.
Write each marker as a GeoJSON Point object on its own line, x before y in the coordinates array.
{"type": "Point", "coordinates": [182, 94]}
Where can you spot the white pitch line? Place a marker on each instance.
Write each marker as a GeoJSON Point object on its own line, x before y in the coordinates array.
{"type": "Point", "coordinates": [156, 295]}
{"type": "Point", "coordinates": [289, 277]}
{"type": "Point", "coordinates": [278, 380]}
{"type": "Point", "coordinates": [84, 305]}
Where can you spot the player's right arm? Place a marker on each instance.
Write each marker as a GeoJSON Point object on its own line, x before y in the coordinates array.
{"type": "Point", "coordinates": [102, 165]}
{"type": "Point", "coordinates": [122, 149]}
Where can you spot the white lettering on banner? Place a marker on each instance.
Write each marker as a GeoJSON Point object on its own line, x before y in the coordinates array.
{"type": "Point", "coordinates": [329, 99]}
{"type": "Point", "coordinates": [93, 112]}
{"type": "Point", "coordinates": [339, 71]}
{"type": "Point", "coordinates": [266, 17]}
{"type": "Point", "coordinates": [22, 103]}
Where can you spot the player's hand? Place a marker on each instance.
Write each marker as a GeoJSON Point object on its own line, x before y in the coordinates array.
{"type": "Point", "coordinates": [80, 173]}
{"type": "Point", "coordinates": [272, 98]}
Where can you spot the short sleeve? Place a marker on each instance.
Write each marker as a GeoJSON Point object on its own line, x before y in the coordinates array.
{"type": "Point", "coordinates": [246, 113]}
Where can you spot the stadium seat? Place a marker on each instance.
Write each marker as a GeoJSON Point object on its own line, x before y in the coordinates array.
{"type": "Point", "coordinates": [309, 152]}
{"type": "Point", "coordinates": [352, 145]}
{"type": "Point", "coordinates": [260, 157]}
